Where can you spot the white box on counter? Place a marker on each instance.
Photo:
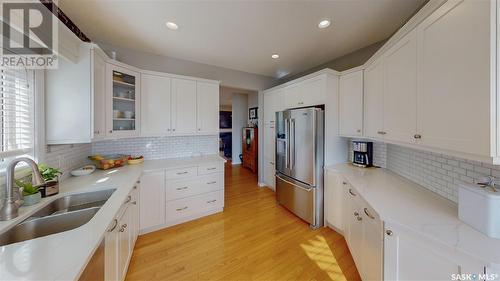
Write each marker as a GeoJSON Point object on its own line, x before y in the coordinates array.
{"type": "Point", "coordinates": [479, 207]}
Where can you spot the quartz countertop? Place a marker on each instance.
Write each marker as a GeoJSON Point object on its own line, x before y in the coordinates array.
{"type": "Point", "coordinates": [63, 256]}
{"type": "Point", "coordinates": [400, 201]}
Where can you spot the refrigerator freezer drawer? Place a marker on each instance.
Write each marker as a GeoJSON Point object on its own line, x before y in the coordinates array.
{"type": "Point", "coordinates": [297, 199]}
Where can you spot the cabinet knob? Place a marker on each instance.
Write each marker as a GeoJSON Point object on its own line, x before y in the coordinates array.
{"type": "Point", "coordinates": [110, 131]}
{"type": "Point", "coordinates": [356, 214]}
{"type": "Point", "coordinates": [388, 232]}
{"type": "Point", "coordinates": [344, 183]}
{"type": "Point", "coordinates": [358, 130]}
{"type": "Point", "coordinates": [168, 130]}
{"type": "Point", "coordinates": [417, 136]}
{"type": "Point", "coordinates": [199, 129]}
{"type": "Point", "coordinates": [115, 223]}
{"type": "Point", "coordinates": [173, 130]}
{"type": "Point", "coordinates": [352, 192]}
{"type": "Point", "coordinates": [359, 218]}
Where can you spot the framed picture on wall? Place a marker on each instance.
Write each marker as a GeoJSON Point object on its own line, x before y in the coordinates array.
{"type": "Point", "coordinates": [252, 113]}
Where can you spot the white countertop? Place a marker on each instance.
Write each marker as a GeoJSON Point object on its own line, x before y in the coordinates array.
{"type": "Point", "coordinates": [63, 256]}
{"type": "Point", "coordinates": [400, 201]}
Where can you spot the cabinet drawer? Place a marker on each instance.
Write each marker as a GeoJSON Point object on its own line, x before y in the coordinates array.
{"type": "Point", "coordinates": [185, 188]}
{"type": "Point", "coordinates": [210, 168]}
{"type": "Point", "coordinates": [189, 172]}
{"type": "Point", "coordinates": [184, 208]}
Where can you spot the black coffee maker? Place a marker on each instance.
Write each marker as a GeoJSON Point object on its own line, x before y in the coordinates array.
{"type": "Point", "coordinates": [362, 153]}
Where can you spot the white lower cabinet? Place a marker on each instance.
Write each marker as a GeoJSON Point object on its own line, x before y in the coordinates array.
{"type": "Point", "coordinates": [152, 197]}
{"type": "Point", "coordinates": [389, 251]}
{"type": "Point", "coordinates": [408, 256]}
{"type": "Point", "coordinates": [334, 200]}
{"type": "Point", "coordinates": [364, 235]}
{"type": "Point", "coordinates": [269, 173]}
{"type": "Point", "coordinates": [180, 194]}
{"type": "Point", "coordinates": [120, 239]}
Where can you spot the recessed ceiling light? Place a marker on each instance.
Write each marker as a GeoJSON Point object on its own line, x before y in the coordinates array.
{"type": "Point", "coordinates": [324, 24]}
{"type": "Point", "coordinates": [275, 56]}
{"type": "Point", "coordinates": [172, 25]}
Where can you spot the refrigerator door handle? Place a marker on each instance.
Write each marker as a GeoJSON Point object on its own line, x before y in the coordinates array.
{"type": "Point", "coordinates": [287, 143]}
{"type": "Point", "coordinates": [292, 146]}
{"type": "Point", "coordinates": [294, 184]}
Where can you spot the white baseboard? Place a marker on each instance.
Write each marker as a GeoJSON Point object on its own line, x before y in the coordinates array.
{"type": "Point", "coordinates": [179, 221]}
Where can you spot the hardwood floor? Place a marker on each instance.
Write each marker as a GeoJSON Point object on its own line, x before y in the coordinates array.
{"type": "Point", "coordinates": [253, 239]}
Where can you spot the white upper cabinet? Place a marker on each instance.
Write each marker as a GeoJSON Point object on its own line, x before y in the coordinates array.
{"type": "Point", "coordinates": [207, 107]}
{"type": "Point", "coordinates": [306, 93]}
{"type": "Point", "coordinates": [313, 91]}
{"type": "Point", "coordinates": [436, 86]}
{"type": "Point", "coordinates": [374, 100]}
{"type": "Point", "coordinates": [75, 96]}
{"type": "Point", "coordinates": [184, 106]}
{"type": "Point", "coordinates": [400, 90]}
{"type": "Point", "coordinates": [122, 101]}
{"type": "Point", "coordinates": [273, 102]}
{"type": "Point", "coordinates": [351, 104]}
{"type": "Point", "coordinates": [454, 64]}
{"type": "Point", "coordinates": [155, 105]}
{"type": "Point", "coordinates": [292, 96]}
{"type": "Point", "coordinates": [99, 93]}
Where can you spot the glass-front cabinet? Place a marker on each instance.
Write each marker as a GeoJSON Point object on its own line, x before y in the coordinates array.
{"type": "Point", "coordinates": [123, 102]}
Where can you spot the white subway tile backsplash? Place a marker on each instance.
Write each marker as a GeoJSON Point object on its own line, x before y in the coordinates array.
{"type": "Point", "coordinates": [160, 147]}
{"type": "Point", "coordinates": [437, 172]}
{"type": "Point", "coordinates": [67, 157]}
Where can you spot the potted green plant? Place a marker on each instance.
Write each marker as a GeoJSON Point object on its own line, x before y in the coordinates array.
{"type": "Point", "coordinates": [31, 194]}
{"type": "Point", "coordinates": [51, 177]}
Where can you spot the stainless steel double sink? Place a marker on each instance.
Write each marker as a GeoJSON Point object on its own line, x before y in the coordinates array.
{"type": "Point", "coordinates": [62, 214]}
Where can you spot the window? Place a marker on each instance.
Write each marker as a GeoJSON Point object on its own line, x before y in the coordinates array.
{"type": "Point", "coordinates": [17, 112]}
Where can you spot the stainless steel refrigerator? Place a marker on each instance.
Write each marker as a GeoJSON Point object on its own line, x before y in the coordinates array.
{"type": "Point", "coordinates": [299, 162]}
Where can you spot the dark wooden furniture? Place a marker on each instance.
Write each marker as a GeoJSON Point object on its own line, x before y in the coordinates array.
{"type": "Point", "coordinates": [250, 148]}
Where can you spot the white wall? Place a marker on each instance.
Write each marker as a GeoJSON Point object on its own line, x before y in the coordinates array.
{"type": "Point", "coordinates": [228, 77]}
{"type": "Point", "coordinates": [253, 101]}
{"type": "Point", "coordinates": [240, 118]}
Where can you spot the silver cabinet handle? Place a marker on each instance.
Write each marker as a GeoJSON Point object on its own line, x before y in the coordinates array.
{"type": "Point", "coordinates": [212, 201]}
{"type": "Point", "coordinates": [389, 232]}
{"type": "Point", "coordinates": [211, 182]}
{"type": "Point", "coordinates": [213, 168]}
{"type": "Point", "coordinates": [344, 183]}
{"type": "Point", "coordinates": [138, 181]}
{"type": "Point", "coordinates": [115, 224]}
{"type": "Point", "coordinates": [134, 203]}
{"type": "Point", "coordinates": [182, 188]}
{"type": "Point", "coordinates": [110, 131]}
{"type": "Point", "coordinates": [351, 192]}
{"type": "Point", "coordinates": [381, 132]}
{"type": "Point", "coordinates": [368, 214]}
{"type": "Point", "coordinates": [182, 173]}
{"type": "Point", "coordinates": [417, 136]}
{"type": "Point", "coordinates": [358, 131]}
{"type": "Point", "coordinates": [181, 209]}
{"type": "Point", "coordinates": [122, 229]}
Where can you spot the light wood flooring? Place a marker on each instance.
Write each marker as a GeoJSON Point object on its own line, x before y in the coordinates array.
{"type": "Point", "coordinates": [253, 239]}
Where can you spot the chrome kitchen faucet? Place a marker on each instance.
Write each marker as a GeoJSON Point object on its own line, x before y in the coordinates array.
{"type": "Point", "coordinates": [10, 208]}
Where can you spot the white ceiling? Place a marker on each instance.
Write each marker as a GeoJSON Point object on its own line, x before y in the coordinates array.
{"type": "Point", "coordinates": [242, 35]}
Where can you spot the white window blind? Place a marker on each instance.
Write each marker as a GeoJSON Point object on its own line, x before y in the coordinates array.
{"type": "Point", "coordinates": [16, 113]}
